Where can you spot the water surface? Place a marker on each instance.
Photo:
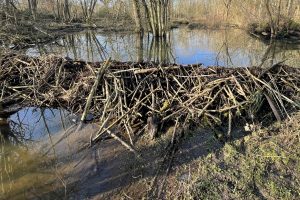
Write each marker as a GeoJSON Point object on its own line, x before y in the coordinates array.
{"type": "Point", "coordinates": [26, 172]}
{"type": "Point", "coordinates": [36, 124]}
{"type": "Point", "coordinates": [210, 47]}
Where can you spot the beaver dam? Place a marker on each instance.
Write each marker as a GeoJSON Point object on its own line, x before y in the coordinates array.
{"type": "Point", "coordinates": [129, 100]}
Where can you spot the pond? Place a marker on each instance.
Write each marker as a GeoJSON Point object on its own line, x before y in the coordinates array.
{"type": "Point", "coordinates": [227, 48]}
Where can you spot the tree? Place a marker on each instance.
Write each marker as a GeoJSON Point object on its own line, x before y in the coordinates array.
{"type": "Point", "coordinates": [274, 17]}
{"type": "Point", "coordinates": [67, 14]}
{"type": "Point", "coordinates": [88, 8]}
{"type": "Point", "coordinates": [137, 16]}
{"type": "Point", "coordinates": [290, 6]}
{"type": "Point", "coordinates": [32, 6]}
{"type": "Point", "coordinates": [157, 14]}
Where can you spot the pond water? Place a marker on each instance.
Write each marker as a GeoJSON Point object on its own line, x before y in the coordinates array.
{"type": "Point", "coordinates": [42, 157]}
{"type": "Point", "coordinates": [24, 169]}
{"type": "Point", "coordinates": [35, 124]}
{"type": "Point", "coordinates": [231, 47]}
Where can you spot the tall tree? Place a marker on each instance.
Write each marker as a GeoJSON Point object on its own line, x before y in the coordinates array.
{"type": "Point", "coordinates": [67, 14]}
{"type": "Point", "coordinates": [157, 13]}
{"type": "Point", "coordinates": [137, 16]}
{"type": "Point", "coordinates": [32, 6]}
{"type": "Point", "coordinates": [88, 8]}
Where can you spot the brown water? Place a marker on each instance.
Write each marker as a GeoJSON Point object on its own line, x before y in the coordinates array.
{"type": "Point", "coordinates": [42, 157]}
{"type": "Point", "coordinates": [210, 47]}
{"type": "Point", "coordinates": [27, 175]}
{"type": "Point", "coordinates": [25, 171]}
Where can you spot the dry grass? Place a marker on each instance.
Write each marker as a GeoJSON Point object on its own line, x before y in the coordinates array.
{"type": "Point", "coordinates": [262, 165]}
{"type": "Point", "coordinates": [238, 12]}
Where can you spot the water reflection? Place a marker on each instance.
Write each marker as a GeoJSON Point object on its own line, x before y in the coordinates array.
{"type": "Point", "coordinates": [158, 49]}
{"type": "Point", "coordinates": [26, 175]}
{"type": "Point", "coordinates": [211, 47]}
{"type": "Point", "coordinates": [5, 131]}
{"type": "Point", "coordinates": [34, 124]}
{"type": "Point", "coordinates": [25, 172]}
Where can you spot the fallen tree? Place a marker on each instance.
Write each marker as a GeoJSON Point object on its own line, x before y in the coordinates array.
{"type": "Point", "coordinates": [130, 98]}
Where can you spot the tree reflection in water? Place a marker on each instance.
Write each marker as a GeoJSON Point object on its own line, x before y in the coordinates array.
{"type": "Point", "coordinates": [156, 49]}
{"type": "Point", "coordinates": [34, 124]}
{"type": "Point", "coordinates": [228, 48]}
{"type": "Point", "coordinates": [23, 168]}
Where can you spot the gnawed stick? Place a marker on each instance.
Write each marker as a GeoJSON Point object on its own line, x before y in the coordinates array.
{"type": "Point", "coordinates": [128, 146]}
{"type": "Point", "coordinates": [100, 74]}
{"type": "Point", "coordinates": [156, 69]}
{"type": "Point", "coordinates": [273, 107]}
{"type": "Point", "coordinates": [100, 132]}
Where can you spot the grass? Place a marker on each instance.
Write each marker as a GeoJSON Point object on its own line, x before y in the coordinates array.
{"type": "Point", "coordinates": [262, 165]}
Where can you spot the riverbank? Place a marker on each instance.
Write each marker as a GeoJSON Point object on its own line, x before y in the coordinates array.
{"type": "Point", "coordinates": [28, 33]}
{"type": "Point", "coordinates": [262, 164]}
{"type": "Point", "coordinates": [201, 24]}
{"type": "Point", "coordinates": [288, 31]}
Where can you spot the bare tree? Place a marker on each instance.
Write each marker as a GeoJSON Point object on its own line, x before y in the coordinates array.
{"type": "Point", "coordinates": [137, 16]}
{"type": "Point", "coordinates": [227, 4]}
{"type": "Point", "coordinates": [290, 6]}
{"type": "Point", "coordinates": [274, 17]}
{"type": "Point", "coordinates": [157, 14]}
{"type": "Point", "coordinates": [67, 14]}
{"type": "Point", "coordinates": [32, 6]}
{"type": "Point", "coordinates": [88, 8]}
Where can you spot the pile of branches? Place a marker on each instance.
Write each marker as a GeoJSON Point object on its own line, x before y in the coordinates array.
{"type": "Point", "coordinates": [127, 99]}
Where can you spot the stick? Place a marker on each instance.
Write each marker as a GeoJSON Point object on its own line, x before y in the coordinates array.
{"type": "Point", "coordinates": [128, 146]}
{"type": "Point", "coordinates": [100, 74]}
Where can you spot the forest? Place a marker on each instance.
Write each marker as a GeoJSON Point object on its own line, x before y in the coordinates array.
{"type": "Point", "coordinates": [149, 99]}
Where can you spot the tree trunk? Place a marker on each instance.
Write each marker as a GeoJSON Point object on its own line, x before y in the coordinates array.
{"type": "Point", "coordinates": [271, 20]}
{"type": "Point", "coordinates": [67, 14]}
{"type": "Point", "coordinates": [137, 16]}
{"type": "Point", "coordinates": [157, 12]}
{"type": "Point", "coordinates": [32, 6]}
{"type": "Point", "coordinates": [290, 8]}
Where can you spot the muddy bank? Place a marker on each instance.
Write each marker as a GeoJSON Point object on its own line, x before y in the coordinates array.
{"type": "Point", "coordinates": [289, 32]}
{"type": "Point", "coordinates": [198, 24]}
{"type": "Point", "coordinates": [27, 33]}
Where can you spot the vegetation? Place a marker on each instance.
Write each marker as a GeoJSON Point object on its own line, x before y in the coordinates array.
{"type": "Point", "coordinates": [229, 133]}
{"type": "Point", "coordinates": [273, 19]}
{"type": "Point", "coordinates": [261, 165]}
